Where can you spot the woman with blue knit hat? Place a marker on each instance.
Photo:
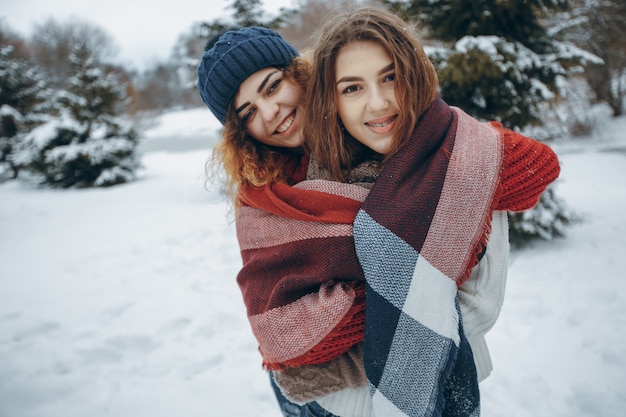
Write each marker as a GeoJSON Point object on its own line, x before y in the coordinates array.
{"type": "Point", "coordinates": [301, 282]}
{"type": "Point", "coordinates": [254, 82]}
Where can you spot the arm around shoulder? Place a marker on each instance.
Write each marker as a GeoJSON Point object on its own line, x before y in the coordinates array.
{"type": "Point", "coordinates": [528, 168]}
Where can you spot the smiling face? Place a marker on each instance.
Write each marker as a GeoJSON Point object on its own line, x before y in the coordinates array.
{"type": "Point", "coordinates": [364, 94]}
{"type": "Point", "coordinates": [268, 104]}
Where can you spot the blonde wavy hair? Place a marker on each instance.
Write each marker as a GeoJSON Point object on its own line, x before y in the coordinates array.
{"type": "Point", "coordinates": [240, 159]}
{"type": "Point", "coordinates": [416, 83]}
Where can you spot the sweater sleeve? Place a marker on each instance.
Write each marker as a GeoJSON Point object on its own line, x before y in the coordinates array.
{"type": "Point", "coordinates": [481, 297]}
{"type": "Point", "coordinates": [529, 166]}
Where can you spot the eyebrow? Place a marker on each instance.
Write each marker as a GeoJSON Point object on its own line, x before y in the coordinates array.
{"type": "Point", "coordinates": [350, 79]}
{"type": "Point", "coordinates": [258, 90]}
{"type": "Point", "coordinates": [265, 80]}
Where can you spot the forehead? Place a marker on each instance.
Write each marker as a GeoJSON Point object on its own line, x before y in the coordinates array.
{"type": "Point", "coordinates": [249, 88]}
{"type": "Point", "coordinates": [361, 54]}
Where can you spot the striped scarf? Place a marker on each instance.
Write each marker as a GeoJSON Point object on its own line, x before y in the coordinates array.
{"type": "Point", "coordinates": [301, 281]}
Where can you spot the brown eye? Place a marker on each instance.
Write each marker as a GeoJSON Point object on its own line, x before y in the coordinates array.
{"type": "Point", "coordinates": [274, 86]}
{"type": "Point", "coordinates": [350, 89]}
{"type": "Point", "coordinates": [247, 117]}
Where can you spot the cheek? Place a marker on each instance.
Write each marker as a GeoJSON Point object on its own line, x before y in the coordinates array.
{"type": "Point", "coordinates": [350, 115]}
{"type": "Point", "coordinates": [393, 99]}
{"type": "Point", "coordinates": [293, 94]}
{"type": "Point", "coordinates": [344, 110]}
{"type": "Point", "coordinates": [256, 130]}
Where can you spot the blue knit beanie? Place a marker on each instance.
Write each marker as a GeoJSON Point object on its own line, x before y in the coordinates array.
{"type": "Point", "coordinates": [234, 57]}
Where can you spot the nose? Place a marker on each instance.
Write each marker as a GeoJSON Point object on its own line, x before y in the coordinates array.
{"type": "Point", "coordinates": [377, 99]}
{"type": "Point", "coordinates": [268, 110]}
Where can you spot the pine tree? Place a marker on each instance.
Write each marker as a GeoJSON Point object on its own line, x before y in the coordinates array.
{"type": "Point", "coordinates": [546, 220]}
{"type": "Point", "coordinates": [497, 62]}
{"type": "Point", "coordinates": [450, 20]}
{"type": "Point", "coordinates": [86, 144]}
{"type": "Point", "coordinates": [23, 96]}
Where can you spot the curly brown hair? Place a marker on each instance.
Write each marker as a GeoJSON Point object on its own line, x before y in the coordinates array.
{"type": "Point", "coordinates": [415, 85]}
{"type": "Point", "coordinates": [243, 159]}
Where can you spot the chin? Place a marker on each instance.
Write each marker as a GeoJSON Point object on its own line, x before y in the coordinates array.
{"type": "Point", "coordinates": [382, 149]}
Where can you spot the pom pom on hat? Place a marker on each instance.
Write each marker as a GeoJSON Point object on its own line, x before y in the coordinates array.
{"type": "Point", "coordinates": [234, 57]}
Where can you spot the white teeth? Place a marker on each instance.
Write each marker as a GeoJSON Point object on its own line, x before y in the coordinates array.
{"type": "Point", "coordinates": [286, 124]}
{"type": "Point", "coordinates": [383, 124]}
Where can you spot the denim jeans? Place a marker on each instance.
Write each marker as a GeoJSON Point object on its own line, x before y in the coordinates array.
{"type": "Point", "coordinates": [290, 409]}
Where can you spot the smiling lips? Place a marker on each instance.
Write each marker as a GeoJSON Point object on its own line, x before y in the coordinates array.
{"type": "Point", "coordinates": [287, 123]}
{"type": "Point", "coordinates": [382, 125]}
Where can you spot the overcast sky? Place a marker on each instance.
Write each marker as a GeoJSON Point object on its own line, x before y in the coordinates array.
{"type": "Point", "coordinates": [143, 30]}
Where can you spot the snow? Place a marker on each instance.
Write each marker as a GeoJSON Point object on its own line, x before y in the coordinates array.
{"type": "Point", "coordinates": [191, 122]}
{"type": "Point", "coordinates": [191, 129]}
{"type": "Point", "coordinates": [122, 301]}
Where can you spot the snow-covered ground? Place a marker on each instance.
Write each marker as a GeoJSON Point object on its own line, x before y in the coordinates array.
{"type": "Point", "coordinates": [122, 301]}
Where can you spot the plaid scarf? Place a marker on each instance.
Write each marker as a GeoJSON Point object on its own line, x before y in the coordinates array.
{"type": "Point", "coordinates": [415, 253]}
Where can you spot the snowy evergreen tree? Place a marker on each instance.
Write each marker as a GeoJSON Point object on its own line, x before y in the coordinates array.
{"type": "Point", "coordinates": [87, 143]}
{"type": "Point", "coordinates": [496, 61]}
{"type": "Point", "coordinates": [548, 219]}
{"type": "Point", "coordinates": [23, 97]}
